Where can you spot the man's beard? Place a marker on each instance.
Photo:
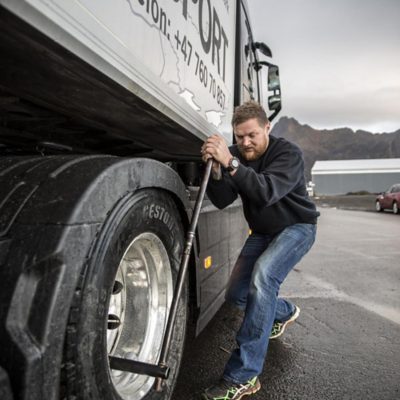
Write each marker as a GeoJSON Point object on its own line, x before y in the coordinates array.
{"type": "Point", "coordinates": [254, 153]}
{"type": "Point", "coordinates": [250, 155]}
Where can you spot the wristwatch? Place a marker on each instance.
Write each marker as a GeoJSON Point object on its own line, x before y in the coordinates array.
{"type": "Point", "coordinates": [233, 164]}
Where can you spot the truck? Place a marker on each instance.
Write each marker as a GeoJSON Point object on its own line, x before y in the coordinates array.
{"type": "Point", "coordinates": [104, 107]}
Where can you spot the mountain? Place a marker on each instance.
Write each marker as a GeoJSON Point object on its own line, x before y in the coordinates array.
{"type": "Point", "coordinates": [336, 144]}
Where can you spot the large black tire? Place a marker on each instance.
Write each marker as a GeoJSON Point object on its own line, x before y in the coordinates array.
{"type": "Point", "coordinates": [5, 389]}
{"type": "Point", "coordinates": [65, 223]}
{"type": "Point", "coordinates": [147, 212]}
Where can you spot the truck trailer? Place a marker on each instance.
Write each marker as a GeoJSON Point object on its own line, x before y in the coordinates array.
{"type": "Point", "coordinates": [104, 106]}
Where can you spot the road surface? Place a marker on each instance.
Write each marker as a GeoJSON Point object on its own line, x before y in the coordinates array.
{"type": "Point", "coordinates": [346, 343]}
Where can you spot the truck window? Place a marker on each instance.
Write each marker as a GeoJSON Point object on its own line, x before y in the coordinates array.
{"type": "Point", "coordinates": [248, 88]}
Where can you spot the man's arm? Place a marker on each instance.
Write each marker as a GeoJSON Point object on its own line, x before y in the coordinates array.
{"type": "Point", "coordinates": [222, 192]}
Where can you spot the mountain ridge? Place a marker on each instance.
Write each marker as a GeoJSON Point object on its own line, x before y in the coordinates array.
{"type": "Point", "coordinates": [336, 144]}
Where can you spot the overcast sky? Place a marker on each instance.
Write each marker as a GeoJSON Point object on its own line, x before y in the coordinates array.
{"type": "Point", "coordinates": [339, 60]}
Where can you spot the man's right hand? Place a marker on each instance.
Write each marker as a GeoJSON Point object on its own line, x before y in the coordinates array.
{"type": "Point", "coordinates": [215, 146]}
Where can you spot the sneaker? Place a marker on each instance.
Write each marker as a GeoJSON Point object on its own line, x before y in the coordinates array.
{"type": "Point", "coordinates": [225, 390]}
{"type": "Point", "coordinates": [279, 327]}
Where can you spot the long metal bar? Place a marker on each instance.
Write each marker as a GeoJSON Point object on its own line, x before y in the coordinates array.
{"type": "Point", "coordinates": [183, 269]}
{"type": "Point", "coordinates": [161, 370]}
{"type": "Point", "coordinates": [137, 367]}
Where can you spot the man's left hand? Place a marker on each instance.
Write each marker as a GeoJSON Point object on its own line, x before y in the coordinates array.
{"type": "Point", "coordinates": [216, 147]}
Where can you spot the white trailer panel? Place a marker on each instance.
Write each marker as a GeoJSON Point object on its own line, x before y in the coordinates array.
{"type": "Point", "coordinates": [176, 55]}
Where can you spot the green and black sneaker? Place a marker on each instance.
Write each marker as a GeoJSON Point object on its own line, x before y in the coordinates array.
{"type": "Point", "coordinates": [225, 390]}
{"type": "Point", "coordinates": [279, 327]}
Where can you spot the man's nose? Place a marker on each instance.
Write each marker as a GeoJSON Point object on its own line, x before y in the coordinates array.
{"type": "Point", "coordinates": [246, 141]}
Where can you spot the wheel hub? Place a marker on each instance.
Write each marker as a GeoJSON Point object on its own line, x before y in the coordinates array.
{"type": "Point", "coordinates": [138, 311]}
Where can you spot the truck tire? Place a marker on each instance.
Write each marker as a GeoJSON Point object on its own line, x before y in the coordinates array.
{"type": "Point", "coordinates": [5, 389]}
{"type": "Point", "coordinates": [89, 252]}
{"type": "Point", "coordinates": [121, 304]}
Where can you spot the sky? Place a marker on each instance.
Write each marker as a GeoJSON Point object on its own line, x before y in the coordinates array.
{"type": "Point", "coordinates": [339, 60]}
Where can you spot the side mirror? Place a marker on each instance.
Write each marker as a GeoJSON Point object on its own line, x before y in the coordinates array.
{"type": "Point", "coordinates": [274, 101]}
{"type": "Point", "coordinates": [273, 78]}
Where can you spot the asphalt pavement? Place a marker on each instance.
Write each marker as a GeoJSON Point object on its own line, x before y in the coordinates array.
{"type": "Point", "coordinates": [346, 342]}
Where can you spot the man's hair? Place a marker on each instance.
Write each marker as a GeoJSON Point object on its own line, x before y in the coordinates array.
{"type": "Point", "coordinates": [248, 110]}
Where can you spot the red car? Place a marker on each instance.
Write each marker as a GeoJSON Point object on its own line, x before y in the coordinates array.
{"type": "Point", "coordinates": [389, 200]}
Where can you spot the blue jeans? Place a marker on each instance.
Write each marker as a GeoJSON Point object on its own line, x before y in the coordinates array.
{"type": "Point", "coordinates": [254, 285]}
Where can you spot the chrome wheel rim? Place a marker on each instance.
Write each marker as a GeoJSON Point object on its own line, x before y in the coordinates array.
{"type": "Point", "coordinates": [395, 208]}
{"type": "Point", "coordinates": [138, 311]}
{"type": "Point", "coordinates": [378, 206]}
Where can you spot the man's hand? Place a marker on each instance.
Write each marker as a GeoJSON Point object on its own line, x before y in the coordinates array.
{"type": "Point", "coordinates": [215, 147]}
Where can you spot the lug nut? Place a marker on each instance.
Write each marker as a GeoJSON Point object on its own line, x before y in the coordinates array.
{"type": "Point", "coordinates": [113, 321]}
{"type": "Point", "coordinates": [117, 287]}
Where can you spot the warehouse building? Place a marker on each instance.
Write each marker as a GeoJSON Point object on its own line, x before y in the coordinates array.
{"type": "Point", "coordinates": [349, 176]}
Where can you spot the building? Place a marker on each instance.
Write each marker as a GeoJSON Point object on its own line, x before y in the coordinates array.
{"type": "Point", "coordinates": [349, 176]}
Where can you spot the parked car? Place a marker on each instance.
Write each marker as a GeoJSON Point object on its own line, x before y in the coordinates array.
{"type": "Point", "coordinates": [389, 200]}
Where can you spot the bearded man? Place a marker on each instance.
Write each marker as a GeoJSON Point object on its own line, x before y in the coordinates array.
{"type": "Point", "coordinates": [268, 175]}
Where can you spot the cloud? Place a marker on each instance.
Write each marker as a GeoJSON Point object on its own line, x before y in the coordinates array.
{"type": "Point", "coordinates": [339, 60]}
{"type": "Point", "coordinates": [377, 111]}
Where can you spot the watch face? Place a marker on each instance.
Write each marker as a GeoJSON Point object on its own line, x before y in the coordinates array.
{"type": "Point", "coordinates": [235, 163]}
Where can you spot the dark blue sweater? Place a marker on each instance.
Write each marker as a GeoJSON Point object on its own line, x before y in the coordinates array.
{"type": "Point", "coordinates": [272, 188]}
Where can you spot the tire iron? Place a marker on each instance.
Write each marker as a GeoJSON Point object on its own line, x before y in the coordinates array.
{"type": "Point", "coordinates": [161, 370]}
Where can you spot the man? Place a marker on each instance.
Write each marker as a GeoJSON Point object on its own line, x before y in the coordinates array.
{"type": "Point", "coordinates": [268, 174]}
